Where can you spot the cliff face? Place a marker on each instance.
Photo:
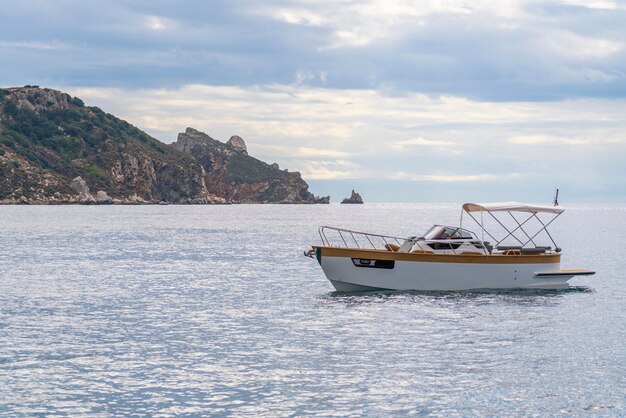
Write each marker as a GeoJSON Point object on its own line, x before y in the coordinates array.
{"type": "Point", "coordinates": [48, 138]}
{"type": "Point", "coordinates": [53, 149]}
{"type": "Point", "coordinates": [231, 173]}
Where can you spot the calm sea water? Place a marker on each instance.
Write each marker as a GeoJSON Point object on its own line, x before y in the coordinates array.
{"type": "Point", "coordinates": [213, 310]}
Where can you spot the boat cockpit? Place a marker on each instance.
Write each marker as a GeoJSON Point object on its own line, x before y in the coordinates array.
{"type": "Point", "coordinates": [443, 239]}
{"type": "Point", "coordinates": [440, 232]}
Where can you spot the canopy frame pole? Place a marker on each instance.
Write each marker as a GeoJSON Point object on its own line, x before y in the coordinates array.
{"type": "Point", "coordinates": [481, 226]}
{"type": "Point", "coordinates": [520, 227]}
{"type": "Point", "coordinates": [506, 229]}
{"type": "Point", "coordinates": [545, 228]}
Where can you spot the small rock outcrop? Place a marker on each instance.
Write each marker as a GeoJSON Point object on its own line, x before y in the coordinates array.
{"type": "Point", "coordinates": [38, 100]}
{"type": "Point", "coordinates": [103, 198]}
{"type": "Point", "coordinates": [79, 186]}
{"type": "Point", "coordinates": [237, 143]}
{"type": "Point", "coordinates": [354, 198]}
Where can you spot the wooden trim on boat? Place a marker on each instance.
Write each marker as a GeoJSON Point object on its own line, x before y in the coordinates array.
{"type": "Point", "coordinates": [437, 258]}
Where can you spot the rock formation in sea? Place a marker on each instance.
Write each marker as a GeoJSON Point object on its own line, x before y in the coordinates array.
{"type": "Point", "coordinates": [54, 149]}
{"type": "Point", "coordinates": [354, 198]}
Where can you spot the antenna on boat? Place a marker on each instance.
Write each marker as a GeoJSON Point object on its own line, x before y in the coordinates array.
{"type": "Point", "coordinates": [556, 198]}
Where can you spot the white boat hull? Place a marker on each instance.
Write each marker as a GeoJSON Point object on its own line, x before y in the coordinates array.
{"type": "Point", "coordinates": [439, 272]}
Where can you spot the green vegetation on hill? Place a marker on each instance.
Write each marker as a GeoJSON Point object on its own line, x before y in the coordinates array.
{"type": "Point", "coordinates": [246, 169]}
{"type": "Point", "coordinates": [72, 140]}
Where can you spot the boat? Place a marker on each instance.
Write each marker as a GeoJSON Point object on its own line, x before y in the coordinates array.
{"type": "Point", "coordinates": [520, 254]}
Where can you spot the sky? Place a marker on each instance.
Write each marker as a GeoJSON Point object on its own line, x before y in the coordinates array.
{"type": "Point", "coordinates": [402, 100]}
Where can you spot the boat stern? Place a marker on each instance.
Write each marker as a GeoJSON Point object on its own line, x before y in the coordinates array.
{"type": "Point", "coordinates": [552, 279]}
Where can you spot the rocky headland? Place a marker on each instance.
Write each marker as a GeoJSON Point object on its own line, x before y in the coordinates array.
{"type": "Point", "coordinates": [229, 171]}
{"type": "Point", "coordinates": [56, 150]}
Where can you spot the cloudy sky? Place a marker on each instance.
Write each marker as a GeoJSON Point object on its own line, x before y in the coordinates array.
{"type": "Point", "coordinates": [403, 100]}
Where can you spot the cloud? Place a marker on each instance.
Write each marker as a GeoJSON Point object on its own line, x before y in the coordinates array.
{"type": "Point", "coordinates": [157, 23]}
{"type": "Point", "coordinates": [583, 48]}
{"type": "Point", "coordinates": [295, 16]}
{"type": "Point", "coordinates": [331, 170]}
{"type": "Point", "coordinates": [547, 139]}
{"type": "Point", "coordinates": [595, 4]}
{"type": "Point", "coordinates": [453, 178]}
{"type": "Point", "coordinates": [421, 142]}
{"type": "Point", "coordinates": [521, 50]}
{"type": "Point", "coordinates": [302, 151]}
{"type": "Point", "coordinates": [38, 45]}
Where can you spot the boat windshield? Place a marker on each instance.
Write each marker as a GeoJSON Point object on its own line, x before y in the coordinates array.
{"type": "Point", "coordinates": [447, 232]}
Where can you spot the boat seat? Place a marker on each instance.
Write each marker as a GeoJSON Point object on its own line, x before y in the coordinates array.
{"type": "Point", "coordinates": [422, 252]}
{"type": "Point", "coordinates": [538, 250]}
{"type": "Point", "coordinates": [508, 247]}
{"type": "Point", "coordinates": [392, 247]}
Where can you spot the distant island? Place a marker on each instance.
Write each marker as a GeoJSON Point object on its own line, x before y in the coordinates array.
{"type": "Point", "coordinates": [56, 150]}
{"type": "Point", "coordinates": [354, 198]}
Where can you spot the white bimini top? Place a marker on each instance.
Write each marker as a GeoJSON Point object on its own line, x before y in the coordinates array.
{"type": "Point", "coordinates": [511, 207]}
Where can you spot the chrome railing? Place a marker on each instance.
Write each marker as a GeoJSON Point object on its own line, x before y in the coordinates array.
{"type": "Point", "coordinates": [365, 239]}
{"type": "Point", "coordinates": [347, 238]}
